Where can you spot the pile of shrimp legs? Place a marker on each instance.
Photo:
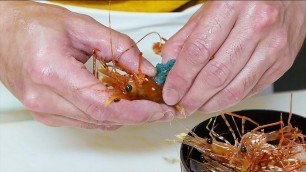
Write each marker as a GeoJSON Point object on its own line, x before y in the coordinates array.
{"type": "Point", "coordinates": [251, 151]}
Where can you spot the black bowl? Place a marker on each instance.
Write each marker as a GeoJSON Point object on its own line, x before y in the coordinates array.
{"type": "Point", "coordinates": [261, 116]}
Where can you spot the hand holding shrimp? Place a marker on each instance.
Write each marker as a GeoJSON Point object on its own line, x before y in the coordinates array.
{"type": "Point", "coordinates": [42, 63]}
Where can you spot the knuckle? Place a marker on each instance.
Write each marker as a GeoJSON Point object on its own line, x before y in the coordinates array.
{"type": "Point", "coordinates": [97, 112]}
{"type": "Point", "coordinates": [87, 17]}
{"type": "Point", "coordinates": [190, 105]}
{"type": "Point", "coordinates": [125, 41]}
{"type": "Point", "coordinates": [229, 6]}
{"type": "Point", "coordinates": [40, 73]}
{"type": "Point", "coordinates": [31, 102]}
{"type": "Point", "coordinates": [129, 41]}
{"type": "Point", "coordinates": [236, 50]}
{"type": "Point", "coordinates": [280, 40]}
{"type": "Point", "coordinates": [216, 74]}
{"type": "Point", "coordinates": [178, 80]}
{"type": "Point", "coordinates": [249, 81]}
{"type": "Point", "coordinates": [264, 16]}
{"type": "Point", "coordinates": [230, 96]}
{"type": "Point", "coordinates": [172, 45]}
{"type": "Point", "coordinates": [239, 47]}
{"type": "Point", "coordinates": [197, 52]}
{"type": "Point", "coordinates": [78, 18]}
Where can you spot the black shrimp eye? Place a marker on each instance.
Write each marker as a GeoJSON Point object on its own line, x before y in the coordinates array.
{"type": "Point", "coordinates": [128, 88]}
{"type": "Point", "coordinates": [116, 100]}
{"type": "Point", "coordinates": [243, 149]}
{"type": "Point", "coordinates": [209, 141]}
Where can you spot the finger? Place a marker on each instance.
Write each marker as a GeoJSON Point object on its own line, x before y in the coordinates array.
{"type": "Point", "coordinates": [197, 50]}
{"type": "Point", "coordinates": [57, 121]}
{"type": "Point", "coordinates": [129, 113]}
{"type": "Point", "coordinates": [267, 64]}
{"type": "Point", "coordinates": [168, 116]}
{"type": "Point", "coordinates": [269, 77]}
{"type": "Point", "coordinates": [228, 62]}
{"type": "Point", "coordinates": [240, 86]}
{"type": "Point", "coordinates": [43, 100]}
{"type": "Point", "coordinates": [69, 78]}
{"type": "Point", "coordinates": [272, 74]}
{"type": "Point", "coordinates": [90, 35]}
{"type": "Point", "coordinates": [174, 45]}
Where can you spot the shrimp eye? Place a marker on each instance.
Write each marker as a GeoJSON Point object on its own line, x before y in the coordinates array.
{"type": "Point", "coordinates": [116, 100]}
{"type": "Point", "coordinates": [209, 141]}
{"type": "Point", "coordinates": [243, 149]}
{"type": "Point", "coordinates": [128, 88]}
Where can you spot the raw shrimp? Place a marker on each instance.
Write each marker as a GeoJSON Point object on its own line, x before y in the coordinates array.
{"type": "Point", "coordinates": [280, 150]}
{"type": "Point", "coordinates": [124, 83]}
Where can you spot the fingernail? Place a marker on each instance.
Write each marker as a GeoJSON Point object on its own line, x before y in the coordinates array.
{"type": "Point", "coordinates": [150, 70]}
{"type": "Point", "coordinates": [157, 116]}
{"type": "Point", "coordinates": [171, 96]}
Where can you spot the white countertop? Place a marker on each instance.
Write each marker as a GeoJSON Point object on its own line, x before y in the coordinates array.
{"type": "Point", "coordinates": [28, 146]}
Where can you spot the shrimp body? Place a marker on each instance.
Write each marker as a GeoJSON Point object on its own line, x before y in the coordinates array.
{"type": "Point", "coordinates": [124, 83]}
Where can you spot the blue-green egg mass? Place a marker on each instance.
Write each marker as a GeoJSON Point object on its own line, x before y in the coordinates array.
{"type": "Point", "coordinates": [162, 71]}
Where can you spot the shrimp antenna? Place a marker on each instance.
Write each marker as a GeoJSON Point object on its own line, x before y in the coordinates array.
{"type": "Point", "coordinates": [132, 46]}
{"type": "Point", "coordinates": [182, 125]}
{"type": "Point", "coordinates": [110, 28]}
{"type": "Point", "coordinates": [290, 113]}
{"type": "Point", "coordinates": [110, 34]}
{"type": "Point", "coordinates": [94, 64]}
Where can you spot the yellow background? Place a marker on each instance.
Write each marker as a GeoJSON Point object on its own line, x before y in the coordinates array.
{"type": "Point", "coordinates": [136, 6]}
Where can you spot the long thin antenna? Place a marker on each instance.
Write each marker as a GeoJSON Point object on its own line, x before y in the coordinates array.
{"type": "Point", "coordinates": [290, 113]}
{"type": "Point", "coordinates": [94, 64]}
{"type": "Point", "coordinates": [132, 46]}
{"type": "Point", "coordinates": [110, 35]}
{"type": "Point", "coordinates": [110, 28]}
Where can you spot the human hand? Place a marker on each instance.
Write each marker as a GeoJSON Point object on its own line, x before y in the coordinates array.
{"type": "Point", "coordinates": [43, 49]}
{"type": "Point", "coordinates": [229, 50]}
